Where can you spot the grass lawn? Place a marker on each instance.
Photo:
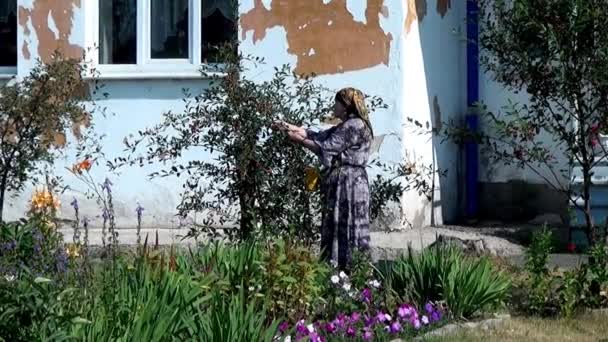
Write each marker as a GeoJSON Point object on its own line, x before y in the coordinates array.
{"type": "Point", "coordinates": [589, 327]}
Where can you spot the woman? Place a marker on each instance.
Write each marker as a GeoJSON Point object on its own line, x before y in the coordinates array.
{"type": "Point", "coordinates": [344, 151]}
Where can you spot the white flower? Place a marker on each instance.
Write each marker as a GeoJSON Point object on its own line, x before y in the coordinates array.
{"type": "Point", "coordinates": [425, 320]}
{"type": "Point", "coordinates": [374, 283]}
{"type": "Point", "coordinates": [343, 275]}
{"type": "Point", "coordinates": [251, 288]}
{"type": "Point", "coordinates": [388, 317]}
{"type": "Point", "coordinates": [335, 279]}
{"type": "Point", "coordinates": [9, 277]}
{"type": "Point", "coordinates": [287, 339]}
{"type": "Point", "coordinates": [346, 287]}
{"type": "Point", "coordinates": [310, 328]}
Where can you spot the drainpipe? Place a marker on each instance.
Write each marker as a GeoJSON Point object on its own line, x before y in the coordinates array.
{"type": "Point", "coordinates": [472, 120]}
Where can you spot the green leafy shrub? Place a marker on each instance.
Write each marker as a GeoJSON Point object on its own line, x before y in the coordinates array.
{"type": "Point", "coordinates": [444, 274]}
{"type": "Point", "coordinates": [291, 279]}
{"type": "Point", "coordinates": [35, 115]}
{"type": "Point", "coordinates": [537, 253]}
{"type": "Point", "coordinates": [35, 309]}
{"type": "Point", "coordinates": [34, 245]}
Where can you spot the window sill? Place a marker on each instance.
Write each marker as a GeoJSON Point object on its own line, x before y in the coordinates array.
{"type": "Point", "coordinates": [151, 72]}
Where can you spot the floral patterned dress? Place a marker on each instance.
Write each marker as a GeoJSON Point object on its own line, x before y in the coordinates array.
{"type": "Point", "coordinates": [344, 152]}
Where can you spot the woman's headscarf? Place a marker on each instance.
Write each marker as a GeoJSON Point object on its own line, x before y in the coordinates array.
{"type": "Point", "coordinates": [354, 101]}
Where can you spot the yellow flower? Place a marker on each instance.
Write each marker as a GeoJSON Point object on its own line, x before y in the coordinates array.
{"type": "Point", "coordinates": [312, 178]}
{"type": "Point", "coordinates": [43, 200]}
{"type": "Point", "coordinates": [72, 250]}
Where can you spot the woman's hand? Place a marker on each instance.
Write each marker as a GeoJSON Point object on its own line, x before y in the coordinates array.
{"type": "Point", "coordinates": [280, 125]}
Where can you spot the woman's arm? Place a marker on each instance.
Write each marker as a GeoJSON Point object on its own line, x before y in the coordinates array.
{"type": "Point", "coordinates": [304, 141]}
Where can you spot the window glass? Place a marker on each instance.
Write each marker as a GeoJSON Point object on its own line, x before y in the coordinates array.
{"type": "Point", "coordinates": [8, 33]}
{"type": "Point", "coordinates": [118, 31]}
{"type": "Point", "coordinates": [169, 29]}
{"type": "Point", "coordinates": [218, 27]}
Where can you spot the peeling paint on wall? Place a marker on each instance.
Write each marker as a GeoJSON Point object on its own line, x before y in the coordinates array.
{"type": "Point", "coordinates": [25, 51]}
{"type": "Point", "coordinates": [340, 43]}
{"type": "Point", "coordinates": [384, 11]}
{"type": "Point", "coordinates": [416, 11]}
{"type": "Point", "coordinates": [443, 6]}
{"type": "Point", "coordinates": [61, 12]}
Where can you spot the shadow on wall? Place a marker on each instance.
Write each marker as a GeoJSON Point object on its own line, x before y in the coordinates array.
{"type": "Point", "coordinates": [441, 32]}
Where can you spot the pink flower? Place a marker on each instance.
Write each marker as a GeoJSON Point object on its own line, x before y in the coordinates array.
{"type": "Point", "coordinates": [355, 317]}
{"type": "Point", "coordinates": [416, 324]}
{"type": "Point", "coordinates": [350, 332]}
{"type": "Point", "coordinates": [368, 335]}
{"type": "Point", "coordinates": [404, 311]}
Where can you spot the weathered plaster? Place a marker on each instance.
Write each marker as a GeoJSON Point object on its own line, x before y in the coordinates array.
{"type": "Point", "coordinates": [340, 43]}
{"type": "Point", "coordinates": [416, 11]}
{"type": "Point", "coordinates": [52, 20]}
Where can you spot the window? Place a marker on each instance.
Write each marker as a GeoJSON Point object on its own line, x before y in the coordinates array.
{"type": "Point", "coordinates": [162, 37]}
{"type": "Point", "coordinates": [8, 37]}
{"type": "Point", "coordinates": [118, 32]}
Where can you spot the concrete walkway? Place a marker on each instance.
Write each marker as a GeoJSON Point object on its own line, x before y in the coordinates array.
{"type": "Point", "coordinates": [384, 246]}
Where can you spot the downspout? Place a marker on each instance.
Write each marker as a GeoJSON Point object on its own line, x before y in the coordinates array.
{"type": "Point", "coordinates": [471, 119]}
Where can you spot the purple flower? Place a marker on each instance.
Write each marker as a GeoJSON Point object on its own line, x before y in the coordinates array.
{"type": "Point", "coordinates": [283, 327]}
{"type": "Point", "coordinates": [301, 328]}
{"type": "Point", "coordinates": [425, 320]}
{"type": "Point", "coordinates": [416, 324]}
{"type": "Point", "coordinates": [139, 211]}
{"type": "Point", "coordinates": [105, 214]}
{"type": "Point", "coordinates": [404, 311]}
{"type": "Point", "coordinates": [340, 320]}
{"type": "Point", "coordinates": [429, 308]}
{"type": "Point", "coordinates": [330, 328]}
{"type": "Point", "coordinates": [381, 317]}
{"type": "Point", "coordinates": [369, 321]}
{"type": "Point", "coordinates": [351, 332]}
{"type": "Point", "coordinates": [107, 185]}
{"type": "Point", "coordinates": [355, 317]}
{"type": "Point", "coordinates": [368, 335]}
{"type": "Point", "coordinates": [74, 204]}
{"type": "Point", "coordinates": [366, 295]}
{"type": "Point", "coordinates": [395, 327]}
{"type": "Point", "coordinates": [314, 337]}
{"type": "Point", "coordinates": [435, 316]}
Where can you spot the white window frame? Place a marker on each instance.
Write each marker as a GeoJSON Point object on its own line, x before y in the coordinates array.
{"type": "Point", "coordinates": [146, 67]}
{"type": "Point", "coordinates": [7, 72]}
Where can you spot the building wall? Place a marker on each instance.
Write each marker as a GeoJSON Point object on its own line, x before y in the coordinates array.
{"type": "Point", "coordinates": [409, 52]}
{"type": "Point", "coordinates": [511, 192]}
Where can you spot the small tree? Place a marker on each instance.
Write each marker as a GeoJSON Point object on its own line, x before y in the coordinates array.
{"type": "Point", "coordinates": [35, 115]}
{"type": "Point", "coordinates": [257, 177]}
{"type": "Point", "coordinates": [556, 52]}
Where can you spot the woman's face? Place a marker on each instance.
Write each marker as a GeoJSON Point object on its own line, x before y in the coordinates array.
{"type": "Point", "coordinates": [339, 110]}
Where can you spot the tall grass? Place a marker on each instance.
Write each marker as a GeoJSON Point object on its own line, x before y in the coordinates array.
{"type": "Point", "coordinates": [468, 286]}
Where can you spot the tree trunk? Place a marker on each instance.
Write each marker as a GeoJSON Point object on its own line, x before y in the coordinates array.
{"type": "Point", "coordinates": [590, 228]}
{"type": "Point", "coordinates": [2, 195]}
